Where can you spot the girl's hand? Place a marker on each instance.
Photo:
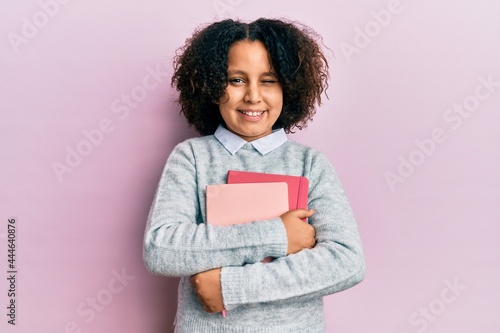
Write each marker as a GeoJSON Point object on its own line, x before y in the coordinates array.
{"type": "Point", "coordinates": [300, 235]}
{"type": "Point", "coordinates": [207, 287]}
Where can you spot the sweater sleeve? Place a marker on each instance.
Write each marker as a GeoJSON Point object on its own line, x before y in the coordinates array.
{"type": "Point", "coordinates": [334, 264]}
{"type": "Point", "coordinates": [177, 243]}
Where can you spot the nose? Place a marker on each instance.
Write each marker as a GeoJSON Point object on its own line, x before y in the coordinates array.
{"type": "Point", "coordinates": [252, 94]}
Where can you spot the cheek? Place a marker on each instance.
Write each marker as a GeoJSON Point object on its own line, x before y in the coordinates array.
{"type": "Point", "coordinates": [223, 109]}
{"type": "Point", "coordinates": [226, 109]}
{"type": "Point", "coordinates": [224, 99]}
{"type": "Point", "coordinates": [278, 100]}
{"type": "Point", "coordinates": [233, 92]}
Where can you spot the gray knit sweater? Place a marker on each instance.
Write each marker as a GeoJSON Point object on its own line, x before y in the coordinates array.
{"type": "Point", "coordinates": [284, 296]}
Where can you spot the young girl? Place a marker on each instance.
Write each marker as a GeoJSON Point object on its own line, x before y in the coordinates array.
{"type": "Point", "coordinates": [243, 86]}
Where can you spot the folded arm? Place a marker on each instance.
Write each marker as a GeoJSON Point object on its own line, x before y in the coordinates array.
{"type": "Point", "coordinates": [334, 264]}
{"type": "Point", "coordinates": [177, 243]}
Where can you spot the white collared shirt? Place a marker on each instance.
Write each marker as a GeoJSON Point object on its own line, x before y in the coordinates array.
{"type": "Point", "coordinates": [264, 145]}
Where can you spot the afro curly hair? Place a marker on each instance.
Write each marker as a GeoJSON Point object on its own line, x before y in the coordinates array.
{"type": "Point", "coordinates": [200, 70]}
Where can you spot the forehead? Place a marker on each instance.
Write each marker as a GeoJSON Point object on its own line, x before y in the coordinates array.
{"type": "Point", "coordinates": [248, 55]}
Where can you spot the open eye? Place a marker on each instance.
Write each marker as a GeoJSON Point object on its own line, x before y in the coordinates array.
{"type": "Point", "coordinates": [236, 81]}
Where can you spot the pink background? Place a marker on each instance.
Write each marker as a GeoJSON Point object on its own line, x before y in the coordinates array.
{"type": "Point", "coordinates": [394, 81]}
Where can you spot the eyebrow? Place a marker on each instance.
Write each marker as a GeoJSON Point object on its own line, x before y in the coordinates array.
{"type": "Point", "coordinates": [237, 71]}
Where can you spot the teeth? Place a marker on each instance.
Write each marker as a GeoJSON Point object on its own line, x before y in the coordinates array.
{"type": "Point", "coordinates": [252, 114]}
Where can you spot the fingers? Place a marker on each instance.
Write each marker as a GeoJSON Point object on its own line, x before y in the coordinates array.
{"type": "Point", "coordinates": [210, 309]}
{"type": "Point", "coordinates": [300, 235]}
{"type": "Point", "coordinates": [206, 285]}
{"type": "Point", "coordinates": [303, 213]}
{"type": "Point", "coordinates": [194, 280]}
{"type": "Point", "coordinates": [298, 213]}
{"type": "Point", "coordinates": [308, 213]}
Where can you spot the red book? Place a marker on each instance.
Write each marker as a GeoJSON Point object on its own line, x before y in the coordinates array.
{"type": "Point", "coordinates": [298, 186]}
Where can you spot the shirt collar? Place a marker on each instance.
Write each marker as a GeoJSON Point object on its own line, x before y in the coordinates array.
{"type": "Point", "coordinates": [264, 145]}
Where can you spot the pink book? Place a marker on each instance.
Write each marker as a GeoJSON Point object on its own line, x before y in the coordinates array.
{"type": "Point", "coordinates": [298, 186]}
{"type": "Point", "coordinates": [243, 203]}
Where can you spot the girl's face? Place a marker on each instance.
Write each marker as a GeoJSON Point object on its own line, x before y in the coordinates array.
{"type": "Point", "coordinates": [254, 98]}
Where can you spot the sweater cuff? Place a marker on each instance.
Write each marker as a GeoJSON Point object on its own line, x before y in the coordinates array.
{"type": "Point", "coordinates": [273, 234]}
{"type": "Point", "coordinates": [231, 279]}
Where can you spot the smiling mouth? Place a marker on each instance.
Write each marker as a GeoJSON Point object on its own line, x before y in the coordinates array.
{"type": "Point", "coordinates": [252, 113]}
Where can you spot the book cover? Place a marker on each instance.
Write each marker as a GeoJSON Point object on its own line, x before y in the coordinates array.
{"type": "Point", "coordinates": [242, 203]}
{"type": "Point", "coordinates": [298, 186]}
